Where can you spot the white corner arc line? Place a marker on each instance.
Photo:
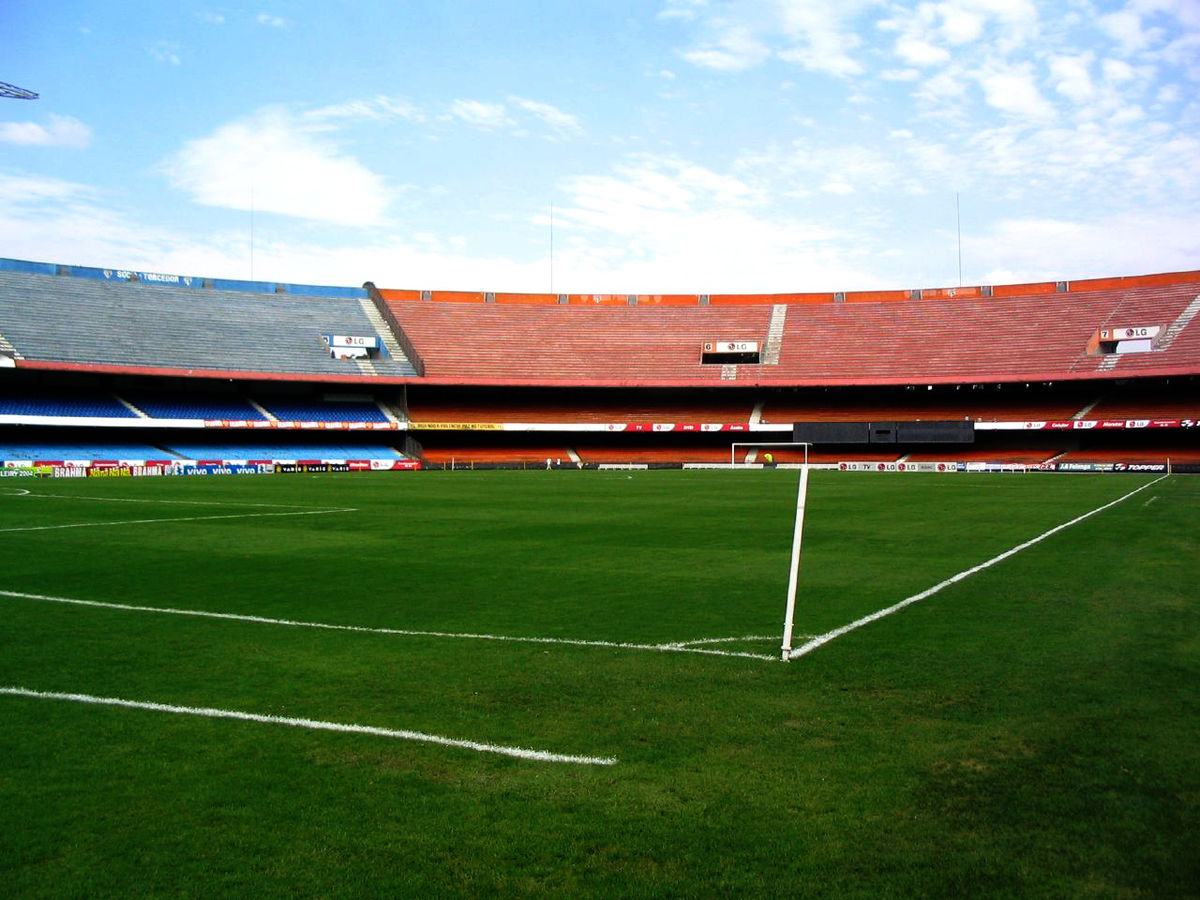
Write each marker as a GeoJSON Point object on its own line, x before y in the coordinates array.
{"type": "Point", "coordinates": [821, 640]}
{"type": "Point", "coordinates": [400, 632]}
{"type": "Point", "coordinates": [311, 512]}
{"type": "Point", "coordinates": [318, 725]}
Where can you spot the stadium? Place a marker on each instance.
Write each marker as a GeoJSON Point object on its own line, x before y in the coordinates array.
{"type": "Point", "coordinates": [695, 448]}
{"type": "Point", "coordinates": [294, 605]}
{"type": "Point", "coordinates": [112, 368]}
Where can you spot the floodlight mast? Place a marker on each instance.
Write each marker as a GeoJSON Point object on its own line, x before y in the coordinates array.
{"type": "Point", "coordinates": [15, 93]}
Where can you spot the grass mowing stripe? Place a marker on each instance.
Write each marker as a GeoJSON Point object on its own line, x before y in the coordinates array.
{"type": "Point", "coordinates": [402, 632]}
{"type": "Point", "coordinates": [311, 512]}
{"type": "Point", "coordinates": [823, 639]}
{"type": "Point", "coordinates": [318, 725]}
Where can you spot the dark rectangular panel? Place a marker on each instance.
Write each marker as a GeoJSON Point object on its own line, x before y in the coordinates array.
{"type": "Point", "coordinates": [954, 431]}
{"type": "Point", "coordinates": [831, 432]}
{"type": "Point", "coordinates": [883, 432]}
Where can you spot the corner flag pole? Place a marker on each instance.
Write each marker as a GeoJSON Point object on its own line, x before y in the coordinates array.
{"type": "Point", "coordinates": [789, 616]}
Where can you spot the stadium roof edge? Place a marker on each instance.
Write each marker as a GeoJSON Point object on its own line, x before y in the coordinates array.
{"type": "Point", "coordinates": [30, 267]}
{"type": "Point", "coordinates": [1078, 285]}
{"type": "Point", "coordinates": [861, 296]}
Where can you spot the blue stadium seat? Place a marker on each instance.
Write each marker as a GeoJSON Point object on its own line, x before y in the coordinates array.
{"type": "Point", "coordinates": [46, 403]}
{"type": "Point", "coordinates": [119, 323]}
{"type": "Point", "coordinates": [293, 411]}
{"type": "Point", "coordinates": [159, 406]}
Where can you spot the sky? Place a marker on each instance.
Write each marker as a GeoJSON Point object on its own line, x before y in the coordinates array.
{"type": "Point", "coordinates": [605, 146]}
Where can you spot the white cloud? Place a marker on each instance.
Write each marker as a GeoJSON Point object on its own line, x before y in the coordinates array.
{"type": "Point", "coordinates": [1072, 78]}
{"type": "Point", "coordinates": [508, 116]}
{"type": "Point", "coordinates": [55, 220]}
{"type": "Point", "coordinates": [821, 35]}
{"type": "Point", "coordinates": [1013, 90]}
{"type": "Point", "coordinates": [19, 191]}
{"type": "Point", "coordinates": [1184, 52]}
{"type": "Point", "coordinates": [1168, 93]}
{"type": "Point", "coordinates": [271, 21]}
{"type": "Point", "coordinates": [916, 33]}
{"type": "Point", "coordinates": [561, 123]}
{"type": "Point", "coordinates": [1017, 21]}
{"type": "Point", "coordinates": [1117, 71]}
{"type": "Point", "coordinates": [734, 35]}
{"type": "Point", "coordinates": [1127, 115]}
{"type": "Point", "coordinates": [278, 163]}
{"type": "Point", "coordinates": [736, 48]}
{"type": "Point", "coordinates": [944, 90]}
{"type": "Point", "coordinates": [685, 10]}
{"type": "Point", "coordinates": [960, 24]}
{"type": "Point", "coordinates": [1186, 11]}
{"type": "Point", "coordinates": [661, 223]}
{"type": "Point", "coordinates": [62, 131]}
{"type": "Point", "coordinates": [377, 108]}
{"type": "Point", "coordinates": [807, 167]}
{"type": "Point", "coordinates": [489, 116]}
{"type": "Point", "coordinates": [1022, 250]}
{"type": "Point", "coordinates": [1103, 162]}
{"type": "Point", "coordinates": [1125, 27]}
{"type": "Point", "coordinates": [655, 226]}
{"type": "Point", "coordinates": [900, 75]}
{"type": "Point", "coordinates": [932, 34]}
{"type": "Point", "coordinates": [166, 52]}
{"type": "Point", "coordinates": [917, 51]}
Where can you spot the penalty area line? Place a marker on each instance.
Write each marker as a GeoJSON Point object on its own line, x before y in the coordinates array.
{"type": "Point", "coordinates": [823, 639]}
{"type": "Point", "coordinates": [318, 725]}
{"type": "Point", "coordinates": [160, 501]}
{"type": "Point", "coordinates": [311, 512]}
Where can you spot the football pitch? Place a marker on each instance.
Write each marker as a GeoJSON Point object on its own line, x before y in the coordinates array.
{"type": "Point", "coordinates": [560, 682]}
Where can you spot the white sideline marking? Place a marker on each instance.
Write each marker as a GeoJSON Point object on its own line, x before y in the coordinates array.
{"type": "Point", "coordinates": [401, 632]}
{"type": "Point", "coordinates": [16, 492]}
{"type": "Point", "coordinates": [318, 725]}
{"type": "Point", "coordinates": [24, 492]}
{"type": "Point", "coordinates": [311, 512]}
{"type": "Point", "coordinates": [823, 639]}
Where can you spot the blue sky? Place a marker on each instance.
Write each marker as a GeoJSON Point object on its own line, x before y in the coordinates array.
{"type": "Point", "coordinates": [691, 146]}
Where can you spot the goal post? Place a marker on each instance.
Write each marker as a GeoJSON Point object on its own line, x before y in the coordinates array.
{"type": "Point", "coordinates": [734, 446]}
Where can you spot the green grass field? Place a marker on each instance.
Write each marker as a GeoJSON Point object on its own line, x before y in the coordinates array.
{"type": "Point", "coordinates": [1032, 729]}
